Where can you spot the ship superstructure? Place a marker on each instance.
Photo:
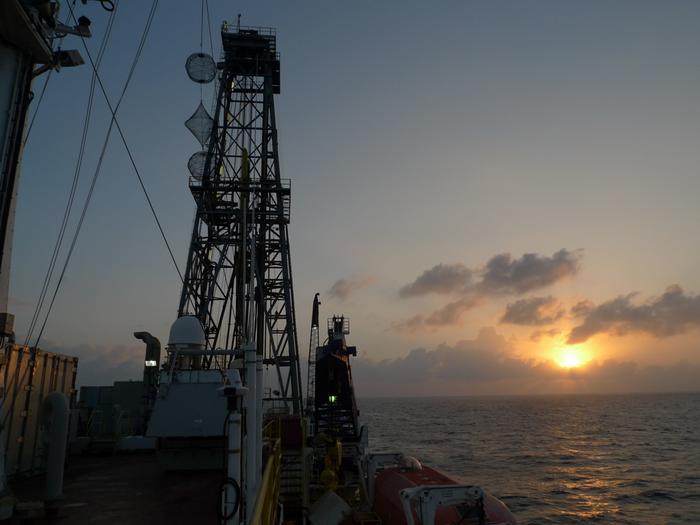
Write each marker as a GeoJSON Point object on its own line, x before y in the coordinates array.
{"type": "Point", "coordinates": [335, 407]}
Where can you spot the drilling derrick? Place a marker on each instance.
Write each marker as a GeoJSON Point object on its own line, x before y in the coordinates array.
{"type": "Point", "coordinates": [238, 280]}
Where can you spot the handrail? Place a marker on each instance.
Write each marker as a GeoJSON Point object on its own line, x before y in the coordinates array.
{"type": "Point", "coordinates": [272, 430]}
{"type": "Point", "coordinates": [227, 27]}
{"type": "Point", "coordinates": [265, 509]}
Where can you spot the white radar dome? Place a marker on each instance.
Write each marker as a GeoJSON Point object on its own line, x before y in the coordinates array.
{"type": "Point", "coordinates": [187, 331]}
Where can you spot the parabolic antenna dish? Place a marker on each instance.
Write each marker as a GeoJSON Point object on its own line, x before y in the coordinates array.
{"type": "Point", "coordinates": [196, 164]}
{"type": "Point", "coordinates": [201, 68]}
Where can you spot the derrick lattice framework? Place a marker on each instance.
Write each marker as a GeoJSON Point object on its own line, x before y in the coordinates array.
{"type": "Point", "coordinates": [238, 280]}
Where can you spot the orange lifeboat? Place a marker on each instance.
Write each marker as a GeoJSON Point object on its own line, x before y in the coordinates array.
{"type": "Point", "coordinates": [393, 485]}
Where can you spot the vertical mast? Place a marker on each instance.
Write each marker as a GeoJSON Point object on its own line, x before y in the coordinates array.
{"type": "Point", "coordinates": [238, 279]}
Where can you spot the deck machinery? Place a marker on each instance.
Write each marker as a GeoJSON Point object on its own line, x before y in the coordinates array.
{"type": "Point", "coordinates": [335, 408]}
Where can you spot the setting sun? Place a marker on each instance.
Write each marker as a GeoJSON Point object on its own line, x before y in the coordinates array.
{"type": "Point", "coordinates": [570, 357]}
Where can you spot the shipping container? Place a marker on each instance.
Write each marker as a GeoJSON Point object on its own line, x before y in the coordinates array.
{"type": "Point", "coordinates": [27, 375]}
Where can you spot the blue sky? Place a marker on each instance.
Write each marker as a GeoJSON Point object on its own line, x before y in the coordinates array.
{"type": "Point", "coordinates": [415, 134]}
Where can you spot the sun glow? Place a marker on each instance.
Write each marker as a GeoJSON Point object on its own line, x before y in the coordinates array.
{"type": "Point", "coordinates": [570, 357]}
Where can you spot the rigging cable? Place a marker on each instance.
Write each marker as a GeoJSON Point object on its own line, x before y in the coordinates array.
{"type": "Point", "coordinates": [43, 90]}
{"type": "Point", "coordinates": [204, 10]}
{"type": "Point", "coordinates": [211, 41]}
{"type": "Point", "coordinates": [59, 240]}
{"type": "Point", "coordinates": [47, 278]}
{"type": "Point", "coordinates": [36, 109]}
{"type": "Point", "coordinates": [211, 53]}
{"type": "Point", "coordinates": [113, 123]}
{"type": "Point", "coordinates": [123, 137]}
{"type": "Point", "coordinates": [201, 45]}
{"type": "Point", "coordinates": [74, 185]}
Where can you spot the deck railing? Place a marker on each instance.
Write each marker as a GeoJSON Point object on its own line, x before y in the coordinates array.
{"type": "Point", "coordinates": [266, 505]}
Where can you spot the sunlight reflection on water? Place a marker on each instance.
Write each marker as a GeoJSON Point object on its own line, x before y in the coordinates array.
{"type": "Point", "coordinates": [572, 459]}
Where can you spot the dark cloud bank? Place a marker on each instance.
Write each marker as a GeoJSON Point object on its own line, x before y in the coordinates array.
{"type": "Point", "coordinates": [505, 275]}
{"type": "Point", "coordinates": [489, 365]}
{"type": "Point", "coordinates": [501, 276]}
{"type": "Point", "coordinates": [533, 311]}
{"type": "Point", "coordinates": [672, 313]}
{"type": "Point", "coordinates": [440, 279]}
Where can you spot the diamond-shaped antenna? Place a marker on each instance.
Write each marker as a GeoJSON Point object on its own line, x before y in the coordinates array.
{"type": "Point", "coordinates": [201, 68]}
{"type": "Point", "coordinates": [200, 124]}
{"type": "Point", "coordinates": [196, 164]}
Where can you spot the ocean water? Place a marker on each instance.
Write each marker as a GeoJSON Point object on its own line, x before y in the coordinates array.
{"type": "Point", "coordinates": [623, 459]}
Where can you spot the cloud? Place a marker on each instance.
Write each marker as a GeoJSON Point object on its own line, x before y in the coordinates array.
{"type": "Point", "coordinates": [411, 325]}
{"type": "Point", "coordinates": [582, 308]}
{"type": "Point", "coordinates": [490, 364]}
{"type": "Point", "coordinates": [538, 335]}
{"type": "Point", "coordinates": [343, 288]}
{"type": "Point", "coordinates": [505, 275]}
{"type": "Point", "coordinates": [20, 302]}
{"type": "Point", "coordinates": [672, 313]}
{"type": "Point", "coordinates": [104, 364]}
{"type": "Point", "coordinates": [533, 311]}
{"type": "Point", "coordinates": [447, 315]}
{"type": "Point", "coordinates": [484, 358]}
{"type": "Point", "coordinates": [502, 275]}
{"type": "Point", "coordinates": [451, 312]}
{"type": "Point", "coordinates": [440, 279]}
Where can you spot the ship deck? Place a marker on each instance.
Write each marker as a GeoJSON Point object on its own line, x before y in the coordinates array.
{"type": "Point", "coordinates": [124, 488]}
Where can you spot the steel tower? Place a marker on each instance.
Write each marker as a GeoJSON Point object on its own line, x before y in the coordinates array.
{"type": "Point", "coordinates": [238, 279]}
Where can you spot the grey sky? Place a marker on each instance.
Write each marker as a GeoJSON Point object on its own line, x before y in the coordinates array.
{"type": "Point", "coordinates": [415, 133]}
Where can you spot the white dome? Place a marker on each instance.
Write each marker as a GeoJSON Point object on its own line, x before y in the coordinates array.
{"type": "Point", "coordinates": [187, 330]}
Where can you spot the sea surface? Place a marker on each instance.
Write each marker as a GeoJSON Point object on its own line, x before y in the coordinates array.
{"type": "Point", "coordinates": [622, 459]}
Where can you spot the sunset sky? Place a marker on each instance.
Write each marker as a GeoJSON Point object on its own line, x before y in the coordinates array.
{"type": "Point", "coordinates": [502, 196]}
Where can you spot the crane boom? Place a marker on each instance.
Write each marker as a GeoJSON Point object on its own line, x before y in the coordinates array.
{"type": "Point", "coordinates": [311, 368]}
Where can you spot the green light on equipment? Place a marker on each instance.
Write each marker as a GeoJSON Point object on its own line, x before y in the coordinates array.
{"type": "Point", "coordinates": [332, 398]}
